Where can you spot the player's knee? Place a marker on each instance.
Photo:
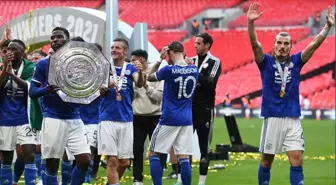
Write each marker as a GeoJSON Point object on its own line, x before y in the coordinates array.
{"type": "Point", "coordinates": [52, 165]}
{"type": "Point", "coordinates": [7, 157]}
{"type": "Point", "coordinates": [267, 160]}
{"type": "Point", "coordinates": [83, 161]}
{"type": "Point", "coordinates": [124, 163]}
{"type": "Point", "coordinates": [295, 158]}
{"type": "Point", "coordinates": [112, 162]}
{"type": "Point", "coordinates": [28, 152]}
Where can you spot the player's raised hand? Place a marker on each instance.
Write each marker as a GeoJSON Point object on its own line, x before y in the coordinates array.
{"type": "Point", "coordinates": [164, 53]}
{"type": "Point", "coordinates": [138, 65]}
{"type": "Point", "coordinates": [253, 12]}
{"type": "Point", "coordinates": [52, 88]}
{"type": "Point", "coordinates": [189, 61]}
{"type": "Point", "coordinates": [330, 17]}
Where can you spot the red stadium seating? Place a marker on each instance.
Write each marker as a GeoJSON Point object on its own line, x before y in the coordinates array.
{"type": "Point", "coordinates": [316, 83]}
{"type": "Point", "coordinates": [166, 13]}
{"type": "Point", "coordinates": [11, 8]}
{"type": "Point", "coordinates": [162, 38]}
{"type": "Point", "coordinates": [246, 79]}
{"type": "Point", "coordinates": [324, 99]}
{"type": "Point", "coordinates": [283, 12]}
{"type": "Point", "coordinates": [324, 54]}
{"type": "Point", "coordinates": [233, 48]}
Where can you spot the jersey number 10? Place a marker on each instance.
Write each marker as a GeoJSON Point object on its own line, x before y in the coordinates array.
{"type": "Point", "coordinates": [182, 92]}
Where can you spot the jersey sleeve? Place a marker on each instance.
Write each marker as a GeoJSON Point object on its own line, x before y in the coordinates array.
{"type": "Point", "coordinates": [162, 73]}
{"type": "Point", "coordinates": [297, 59]}
{"type": "Point", "coordinates": [264, 62]}
{"type": "Point", "coordinates": [39, 73]}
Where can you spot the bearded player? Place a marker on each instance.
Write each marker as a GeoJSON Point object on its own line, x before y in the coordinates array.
{"type": "Point", "coordinates": [280, 75]}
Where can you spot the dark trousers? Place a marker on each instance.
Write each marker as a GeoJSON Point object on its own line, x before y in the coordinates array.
{"type": "Point", "coordinates": [143, 127]}
{"type": "Point", "coordinates": [203, 124]}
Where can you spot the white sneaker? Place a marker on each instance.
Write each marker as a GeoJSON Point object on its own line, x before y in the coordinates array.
{"type": "Point", "coordinates": [39, 183]}
{"type": "Point", "coordinates": [137, 183]}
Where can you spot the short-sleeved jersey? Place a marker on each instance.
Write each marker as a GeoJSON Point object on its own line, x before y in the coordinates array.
{"type": "Point", "coordinates": [13, 99]}
{"type": "Point", "coordinates": [179, 87]}
{"type": "Point", "coordinates": [52, 105]}
{"type": "Point", "coordinates": [119, 111]}
{"type": "Point", "coordinates": [272, 104]}
{"type": "Point", "coordinates": [90, 113]}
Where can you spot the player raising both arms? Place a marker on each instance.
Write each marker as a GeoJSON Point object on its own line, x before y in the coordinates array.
{"type": "Point", "coordinates": [280, 75]}
{"type": "Point", "coordinates": [175, 126]}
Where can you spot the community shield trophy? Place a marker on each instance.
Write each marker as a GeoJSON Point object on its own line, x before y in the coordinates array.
{"type": "Point", "coordinates": [80, 70]}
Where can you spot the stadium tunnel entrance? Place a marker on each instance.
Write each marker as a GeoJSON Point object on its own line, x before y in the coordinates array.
{"type": "Point", "coordinates": [34, 28]}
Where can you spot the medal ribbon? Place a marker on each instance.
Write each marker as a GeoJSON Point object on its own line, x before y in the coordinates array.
{"type": "Point", "coordinates": [204, 62]}
{"type": "Point", "coordinates": [13, 83]}
{"type": "Point", "coordinates": [283, 75]}
{"type": "Point", "coordinates": [115, 76]}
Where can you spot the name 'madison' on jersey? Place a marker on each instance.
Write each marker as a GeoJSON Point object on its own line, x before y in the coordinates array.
{"type": "Point", "coordinates": [179, 87]}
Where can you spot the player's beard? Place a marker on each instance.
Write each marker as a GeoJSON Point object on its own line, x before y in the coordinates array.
{"type": "Point", "coordinates": [281, 58]}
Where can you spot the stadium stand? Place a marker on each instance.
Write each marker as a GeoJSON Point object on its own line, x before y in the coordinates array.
{"type": "Point", "coordinates": [232, 46]}
{"type": "Point", "coordinates": [166, 13]}
{"type": "Point", "coordinates": [276, 11]}
{"type": "Point", "coordinates": [161, 38]}
{"type": "Point", "coordinates": [18, 7]}
{"type": "Point", "coordinates": [324, 99]}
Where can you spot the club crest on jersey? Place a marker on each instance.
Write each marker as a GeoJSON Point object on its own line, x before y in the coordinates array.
{"type": "Point", "coordinates": [127, 72]}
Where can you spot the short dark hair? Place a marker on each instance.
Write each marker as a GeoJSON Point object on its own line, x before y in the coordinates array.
{"type": "Point", "coordinates": [123, 41]}
{"type": "Point", "coordinates": [207, 39]}
{"type": "Point", "coordinates": [176, 46]}
{"type": "Point", "coordinates": [20, 42]}
{"type": "Point", "coordinates": [79, 39]}
{"type": "Point", "coordinates": [140, 53]}
{"type": "Point", "coordinates": [99, 47]}
{"type": "Point", "coordinates": [66, 32]}
{"type": "Point", "coordinates": [5, 43]}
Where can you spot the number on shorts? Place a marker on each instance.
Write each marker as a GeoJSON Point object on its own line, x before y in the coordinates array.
{"type": "Point", "coordinates": [30, 132]}
{"type": "Point", "coordinates": [87, 139]}
{"type": "Point", "coordinates": [95, 134]}
{"type": "Point", "coordinates": [183, 86]}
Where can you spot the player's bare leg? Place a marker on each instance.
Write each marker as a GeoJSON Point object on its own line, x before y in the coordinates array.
{"type": "Point", "coordinates": [112, 169]}
{"type": "Point", "coordinates": [51, 170]}
{"type": "Point", "coordinates": [264, 173]}
{"type": "Point", "coordinates": [173, 160]}
{"type": "Point", "coordinates": [122, 166]}
{"type": "Point", "coordinates": [18, 165]}
{"type": "Point", "coordinates": [96, 160]}
{"type": "Point", "coordinates": [38, 161]}
{"type": "Point", "coordinates": [296, 162]}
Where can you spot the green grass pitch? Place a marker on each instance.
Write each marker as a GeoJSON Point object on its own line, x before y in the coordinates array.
{"type": "Point", "coordinates": [319, 164]}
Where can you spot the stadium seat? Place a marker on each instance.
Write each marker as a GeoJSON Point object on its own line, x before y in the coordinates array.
{"type": "Point", "coordinates": [275, 12]}
{"type": "Point", "coordinates": [246, 79]}
{"type": "Point", "coordinates": [162, 38]}
{"type": "Point", "coordinates": [161, 14]}
{"type": "Point", "coordinates": [232, 47]}
{"type": "Point", "coordinates": [10, 9]}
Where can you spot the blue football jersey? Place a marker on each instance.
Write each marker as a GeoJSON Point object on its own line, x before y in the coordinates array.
{"type": "Point", "coordinates": [179, 87]}
{"type": "Point", "coordinates": [52, 105]}
{"type": "Point", "coordinates": [119, 111]}
{"type": "Point", "coordinates": [272, 104]}
{"type": "Point", "coordinates": [13, 107]}
{"type": "Point", "coordinates": [90, 113]}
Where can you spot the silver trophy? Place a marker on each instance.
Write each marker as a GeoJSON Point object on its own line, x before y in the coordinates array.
{"type": "Point", "coordinates": [80, 70]}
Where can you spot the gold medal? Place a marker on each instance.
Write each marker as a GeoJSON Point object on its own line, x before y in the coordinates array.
{"type": "Point", "coordinates": [282, 94]}
{"type": "Point", "coordinates": [119, 98]}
